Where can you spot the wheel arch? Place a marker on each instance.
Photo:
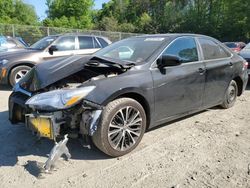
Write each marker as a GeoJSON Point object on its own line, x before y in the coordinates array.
{"type": "Point", "coordinates": [139, 98]}
{"type": "Point", "coordinates": [29, 64]}
{"type": "Point", "coordinates": [239, 82]}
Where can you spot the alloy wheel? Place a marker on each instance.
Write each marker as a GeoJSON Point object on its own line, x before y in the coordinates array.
{"type": "Point", "coordinates": [20, 74]}
{"type": "Point", "coordinates": [125, 128]}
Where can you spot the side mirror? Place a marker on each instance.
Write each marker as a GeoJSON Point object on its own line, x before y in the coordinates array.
{"type": "Point", "coordinates": [52, 49]}
{"type": "Point", "coordinates": [168, 61]}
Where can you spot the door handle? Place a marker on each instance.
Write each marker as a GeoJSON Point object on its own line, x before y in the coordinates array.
{"type": "Point", "coordinates": [201, 70]}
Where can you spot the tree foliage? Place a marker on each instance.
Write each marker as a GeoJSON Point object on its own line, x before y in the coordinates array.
{"type": "Point", "coordinates": [69, 13]}
{"type": "Point", "coordinates": [17, 12]}
{"type": "Point", "coordinates": [223, 19]}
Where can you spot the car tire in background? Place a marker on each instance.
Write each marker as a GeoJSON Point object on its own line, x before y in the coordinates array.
{"type": "Point", "coordinates": [231, 95]}
{"type": "Point", "coordinates": [17, 73]}
{"type": "Point", "coordinates": [121, 127]}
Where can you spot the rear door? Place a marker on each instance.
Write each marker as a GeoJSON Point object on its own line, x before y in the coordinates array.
{"type": "Point", "coordinates": [87, 45]}
{"type": "Point", "coordinates": [179, 89]}
{"type": "Point", "coordinates": [219, 70]}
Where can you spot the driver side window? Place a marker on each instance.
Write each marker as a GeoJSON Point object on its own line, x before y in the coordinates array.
{"type": "Point", "coordinates": [185, 48]}
{"type": "Point", "coordinates": [65, 43]}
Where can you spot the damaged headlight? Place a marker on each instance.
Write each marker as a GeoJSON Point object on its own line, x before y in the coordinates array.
{"type": "Point", "coordinates": [58, 99]}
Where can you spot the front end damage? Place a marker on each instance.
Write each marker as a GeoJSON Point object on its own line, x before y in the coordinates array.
{"type": "Point", "coordinates": [52, 101]}
{"type": "Point", "coordinates": [80, 121]}
{"type": "Point", "coordinates": [55, 106]}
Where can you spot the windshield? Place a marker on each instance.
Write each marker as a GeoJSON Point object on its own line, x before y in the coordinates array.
{"type": "Point", "coordinates": [134, 49]}
{"type": "Point", "coordinates": [43, 43]}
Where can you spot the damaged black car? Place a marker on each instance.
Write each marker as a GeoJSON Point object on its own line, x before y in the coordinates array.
{"type": "Point", "coordinates": [131, 86]}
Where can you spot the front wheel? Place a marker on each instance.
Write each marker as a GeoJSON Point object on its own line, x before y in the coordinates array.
{"type": "Point", "coordinates": [231, 95]}
{"type": "Point", "coordinates": [121, 128]}
{"type": "Point", "coordinates": [18, 73]}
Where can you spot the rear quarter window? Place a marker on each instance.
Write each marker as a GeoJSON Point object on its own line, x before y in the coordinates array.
{"type": "Point", "coordinates": [102, 42]}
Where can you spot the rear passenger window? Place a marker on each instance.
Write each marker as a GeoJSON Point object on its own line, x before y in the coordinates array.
{"type": "Point", "coordinates": [85, 42]}
{"type": "Point", "coordinates": [212, 50]}
{"type": "Point", "coordinates": [185, 48]}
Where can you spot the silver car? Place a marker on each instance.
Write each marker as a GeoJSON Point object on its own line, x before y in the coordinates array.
{"type": "Point", "coordinates": [15, 65]}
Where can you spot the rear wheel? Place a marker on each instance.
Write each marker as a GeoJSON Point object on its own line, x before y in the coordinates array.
{"type": "Point", "coordinates": [18, 73]}
{"type": "Point", "coordinates": [231, 95]}
{"type": "Point", "coordinates": [122, 126]}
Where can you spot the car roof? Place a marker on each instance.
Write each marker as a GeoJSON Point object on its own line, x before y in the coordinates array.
{"type": "Point", "coordinates": [78, 34]}
{"type": "Point", "coordinates": [175, 35]}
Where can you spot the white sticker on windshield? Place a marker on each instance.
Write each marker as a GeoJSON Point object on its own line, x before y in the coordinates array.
{"type": "Point", "coordinates": [154, 39]}
{"type": "Point", "coordinates": [49, 40]}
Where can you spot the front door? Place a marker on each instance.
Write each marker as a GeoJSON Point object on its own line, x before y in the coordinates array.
{"type": "Point", "coordinates": [66, 46]}
{"type": "Point", "coordinates": [179, 89]}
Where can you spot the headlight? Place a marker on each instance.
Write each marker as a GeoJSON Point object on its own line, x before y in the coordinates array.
{"type": "Point", "coordinates": [58, 99]}
{"type": "Point", "coordinates": [3, 61]}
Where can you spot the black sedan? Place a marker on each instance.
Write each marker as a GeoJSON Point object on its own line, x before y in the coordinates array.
{"type": "Point", "coordinates": [133, 85]}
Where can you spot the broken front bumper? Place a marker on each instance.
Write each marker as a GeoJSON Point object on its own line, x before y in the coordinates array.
{"type": "Point", "coordinates": [43, 125]}
{"type": "Point", "coordinates": [83, 119]}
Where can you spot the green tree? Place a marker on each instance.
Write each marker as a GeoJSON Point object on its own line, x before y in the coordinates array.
{"type": "Point", "coordinates": [223, 19]}
{"type": "Point", "coordinates": [17, 12]}
{"type": "Point", "coordinates": [108, 24]}
{"type": "Point", "coordinates": [69, 13]}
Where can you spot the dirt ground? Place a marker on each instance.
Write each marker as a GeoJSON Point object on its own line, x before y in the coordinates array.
{"type": "Point", "coordinates": [208, 149]}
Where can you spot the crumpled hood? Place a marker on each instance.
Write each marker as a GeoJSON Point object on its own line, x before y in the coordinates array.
{"type": "Point", "coordinates": [49, 72]}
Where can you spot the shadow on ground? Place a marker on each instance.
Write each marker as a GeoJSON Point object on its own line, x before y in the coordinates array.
{"type": "Point", "coordinates": [248, 85]}
{"type": "Point", "coordinates": [5, 88]}
{"type": "Point", "coordinates": [17, 141]}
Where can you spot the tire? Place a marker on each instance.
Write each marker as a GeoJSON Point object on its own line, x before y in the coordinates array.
{"type": "Point", "coordinates": [106, 138]}
{"type": "Point", "coordinates": [231, 95]}
{"type": "Point", "coordinates": [17, 73]}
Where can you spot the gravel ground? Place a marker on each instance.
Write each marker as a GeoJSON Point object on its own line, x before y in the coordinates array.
{"type": "Point", "coordinates": [208, 149]}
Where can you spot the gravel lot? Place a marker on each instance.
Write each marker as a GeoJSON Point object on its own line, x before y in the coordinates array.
{"type": "Point", "coordinates": [209, 149]}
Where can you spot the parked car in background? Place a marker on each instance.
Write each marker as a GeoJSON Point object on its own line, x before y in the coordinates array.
{"type": "Point", "coordinates": [235, 46]}
{"type": "Point", "coordinates": [245, 53]}
{"type": "Point", "coordinates": [10, 44]}
{"type": "Point", "coordinates": [126, 88]}
{"type": "Point", "coordinates": [14, 65]}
